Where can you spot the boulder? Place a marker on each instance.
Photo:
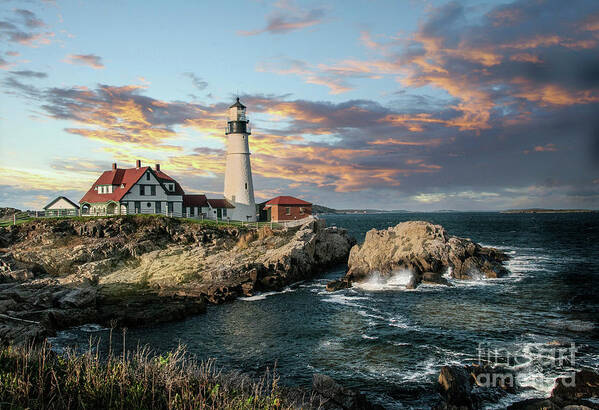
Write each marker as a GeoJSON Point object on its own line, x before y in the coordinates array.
{"type": "Point", "coordinates": [455, 387]}
{"type": "Point", "coordinates": [579, 392]}
{"type": "Point", "coordinates": [425, 249]}
{"type": "Point", "coordinates": [78, 298]}
{"type": "Point", "coordinates": [338, 284]}
{"type": "Point", "coordinates": [584, 386]}
{"type": "Point", "coordinates": [332, 395]}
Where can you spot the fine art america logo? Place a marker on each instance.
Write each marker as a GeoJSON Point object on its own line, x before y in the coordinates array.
{"type": "Point", "coordinates": [502, 368]}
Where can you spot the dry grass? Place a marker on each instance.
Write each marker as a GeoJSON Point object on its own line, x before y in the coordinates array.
{"type": "Point", "coordinates": [35, 377]}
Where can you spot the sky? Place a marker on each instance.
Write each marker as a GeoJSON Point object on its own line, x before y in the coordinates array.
{"type": "Point", "coordinates": [417, 105]}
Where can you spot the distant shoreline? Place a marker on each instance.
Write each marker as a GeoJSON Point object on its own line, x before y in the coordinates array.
{"type": "Point", "coordinates": [547, 211]}
{"type": "Point", "coordinates": [323, 210]}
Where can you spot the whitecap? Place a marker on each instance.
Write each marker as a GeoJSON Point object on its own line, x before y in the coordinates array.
{"type": "Point", "coordinates": [571, 325]}
{"type": "Point", "coordinates": [262, 296]}
{"type": "Point", "coordinates": [91, 328]}
{"type": "Point", "coordinates": [343, 299]}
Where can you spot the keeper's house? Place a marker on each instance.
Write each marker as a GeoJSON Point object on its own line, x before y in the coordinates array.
{"type": "Point", "coordinates": [287, 208]}
{"type": "Point", "coordinates": [144, 190]}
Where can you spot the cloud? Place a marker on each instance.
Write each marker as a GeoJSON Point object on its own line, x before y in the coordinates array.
{"type": "Point", "coordinates": [286, 18]}
{"type": "Point", "coordinates": [30, 19]}
{"type": "Point", "coordinates": [90, 60]}
{"type": "Point", "coordinates": [545, 148]}
{"type": "Point", "coordinates": [29, 74]}
{"type": "Point", "coordinates": [23, 29]}
{"type": "Point", "coordinates": [196, 81]}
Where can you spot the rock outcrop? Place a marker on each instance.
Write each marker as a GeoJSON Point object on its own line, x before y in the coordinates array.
{"type": "Point", "coordinates": [578, 392]}
{"type": "Point", "coordinates": [144, 269]}
{"type": "Point", "coordinates": [427, 250]}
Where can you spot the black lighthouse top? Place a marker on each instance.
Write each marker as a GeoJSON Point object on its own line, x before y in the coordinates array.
{"type": "Point", "coordinates": [237, 122]}
{"type": "Point", "coordinates": [238, 104]}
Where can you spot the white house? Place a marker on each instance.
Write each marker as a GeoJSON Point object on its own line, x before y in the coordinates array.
{"type": "Point", "coordinates": [61, 206]}
{"type": "Point", "coordinates": [139, 190]}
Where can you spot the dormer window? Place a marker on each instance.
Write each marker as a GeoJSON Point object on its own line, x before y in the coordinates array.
{"type": "Point", "coordinates": [148, 176]}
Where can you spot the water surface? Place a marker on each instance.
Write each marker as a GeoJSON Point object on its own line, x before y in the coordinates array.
{"type": "Point", "coordinates": [391, 342]}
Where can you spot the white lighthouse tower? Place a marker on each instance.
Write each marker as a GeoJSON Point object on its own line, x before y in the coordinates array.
{"type": "Point", "coordinates": [239, 187]}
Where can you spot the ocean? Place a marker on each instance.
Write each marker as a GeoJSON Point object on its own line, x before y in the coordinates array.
{"type": "Point", "coordinates": [391, 342]}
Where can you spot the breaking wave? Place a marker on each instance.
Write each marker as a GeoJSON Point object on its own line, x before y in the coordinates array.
{"type": "Point", "coordinates": [398, 280]}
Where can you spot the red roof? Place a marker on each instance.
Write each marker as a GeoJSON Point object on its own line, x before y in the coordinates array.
{"type": "Point", "coordinates": [125, 178]}
{"type": "Point", "coordinates": [195, 200]}
{"type": "Point", "coordinates": [287, 200]}
{"type": "Point", "coordinates": [220, 203]}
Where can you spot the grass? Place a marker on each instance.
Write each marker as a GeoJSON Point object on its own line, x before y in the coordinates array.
{"type": "Point", "coordinates": [23, 217]}
{"type": "Point", "coordinates": [36, 377]}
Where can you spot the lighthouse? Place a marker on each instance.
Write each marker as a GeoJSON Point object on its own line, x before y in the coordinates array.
{"type": "Point", "coordinates": [239, 187]}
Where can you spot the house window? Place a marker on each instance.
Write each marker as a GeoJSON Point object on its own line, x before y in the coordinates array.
{"type": "Point", "coordinates": [142, 190]}
{"type": "Point", "coordinates": [148, 204]}
{"type": "Point", "coordinates": [153, 190]}
{"type": "Point", "coordinates": [191, 211]}
{"type": "Point", "coordinates": [137, 207]}
{"type": "Point", "coordinates": [170, 207]}
{"type": "Point", "coordinates": [288, 210]}
{"type": "Point", "coordinates": [158, 207]}
{"type": "Point", "coordinates": [224, 212]}
{"type": "Point", "coordinates": [148, 176]}
{"type": "Point", "coordinates": [302, 211]}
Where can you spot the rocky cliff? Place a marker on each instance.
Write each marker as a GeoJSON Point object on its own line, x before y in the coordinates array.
{"type": "Point", "coordinates": [141, 269]}
{"type": "Point", "coordinates": [426, 250]}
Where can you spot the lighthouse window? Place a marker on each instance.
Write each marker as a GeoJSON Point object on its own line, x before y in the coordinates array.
{"type": "Point", "coordinates": [246, 185]}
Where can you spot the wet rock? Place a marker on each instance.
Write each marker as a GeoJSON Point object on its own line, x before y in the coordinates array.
{"type": "Point", "coordinates": [333, 395]}
{"type": "Point", "coordinates": [338, 284]}
{"type": "Point", "coordinates": [455, 387]}
{"type": "Point", "coordinates": [584, 386]}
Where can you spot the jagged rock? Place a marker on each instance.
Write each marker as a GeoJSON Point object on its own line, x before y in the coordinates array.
{"type": "Point", "coordinates": [338, 284]}
{"type": "Point", "coordinates": [425, 249]}
{"type": "Point", "coordinates": [455, 386]}
{"type": "Point", "coordinates": [333, 395]}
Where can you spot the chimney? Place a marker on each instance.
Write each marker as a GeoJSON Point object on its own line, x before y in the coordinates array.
{"type": "Point", "coordinates": [157, 167]}
{"type": "Point", "coordinates": [114, 166]}
{"type": "Point", "coordinates": [138, 164]}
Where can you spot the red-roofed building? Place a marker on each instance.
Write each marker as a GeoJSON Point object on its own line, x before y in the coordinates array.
{"type": "Point", "coordinates": [139, 190]}
{"type": "Point", "coordinates": [287, 208]}
{"type": "Point", "coordinates": [147, 190]}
